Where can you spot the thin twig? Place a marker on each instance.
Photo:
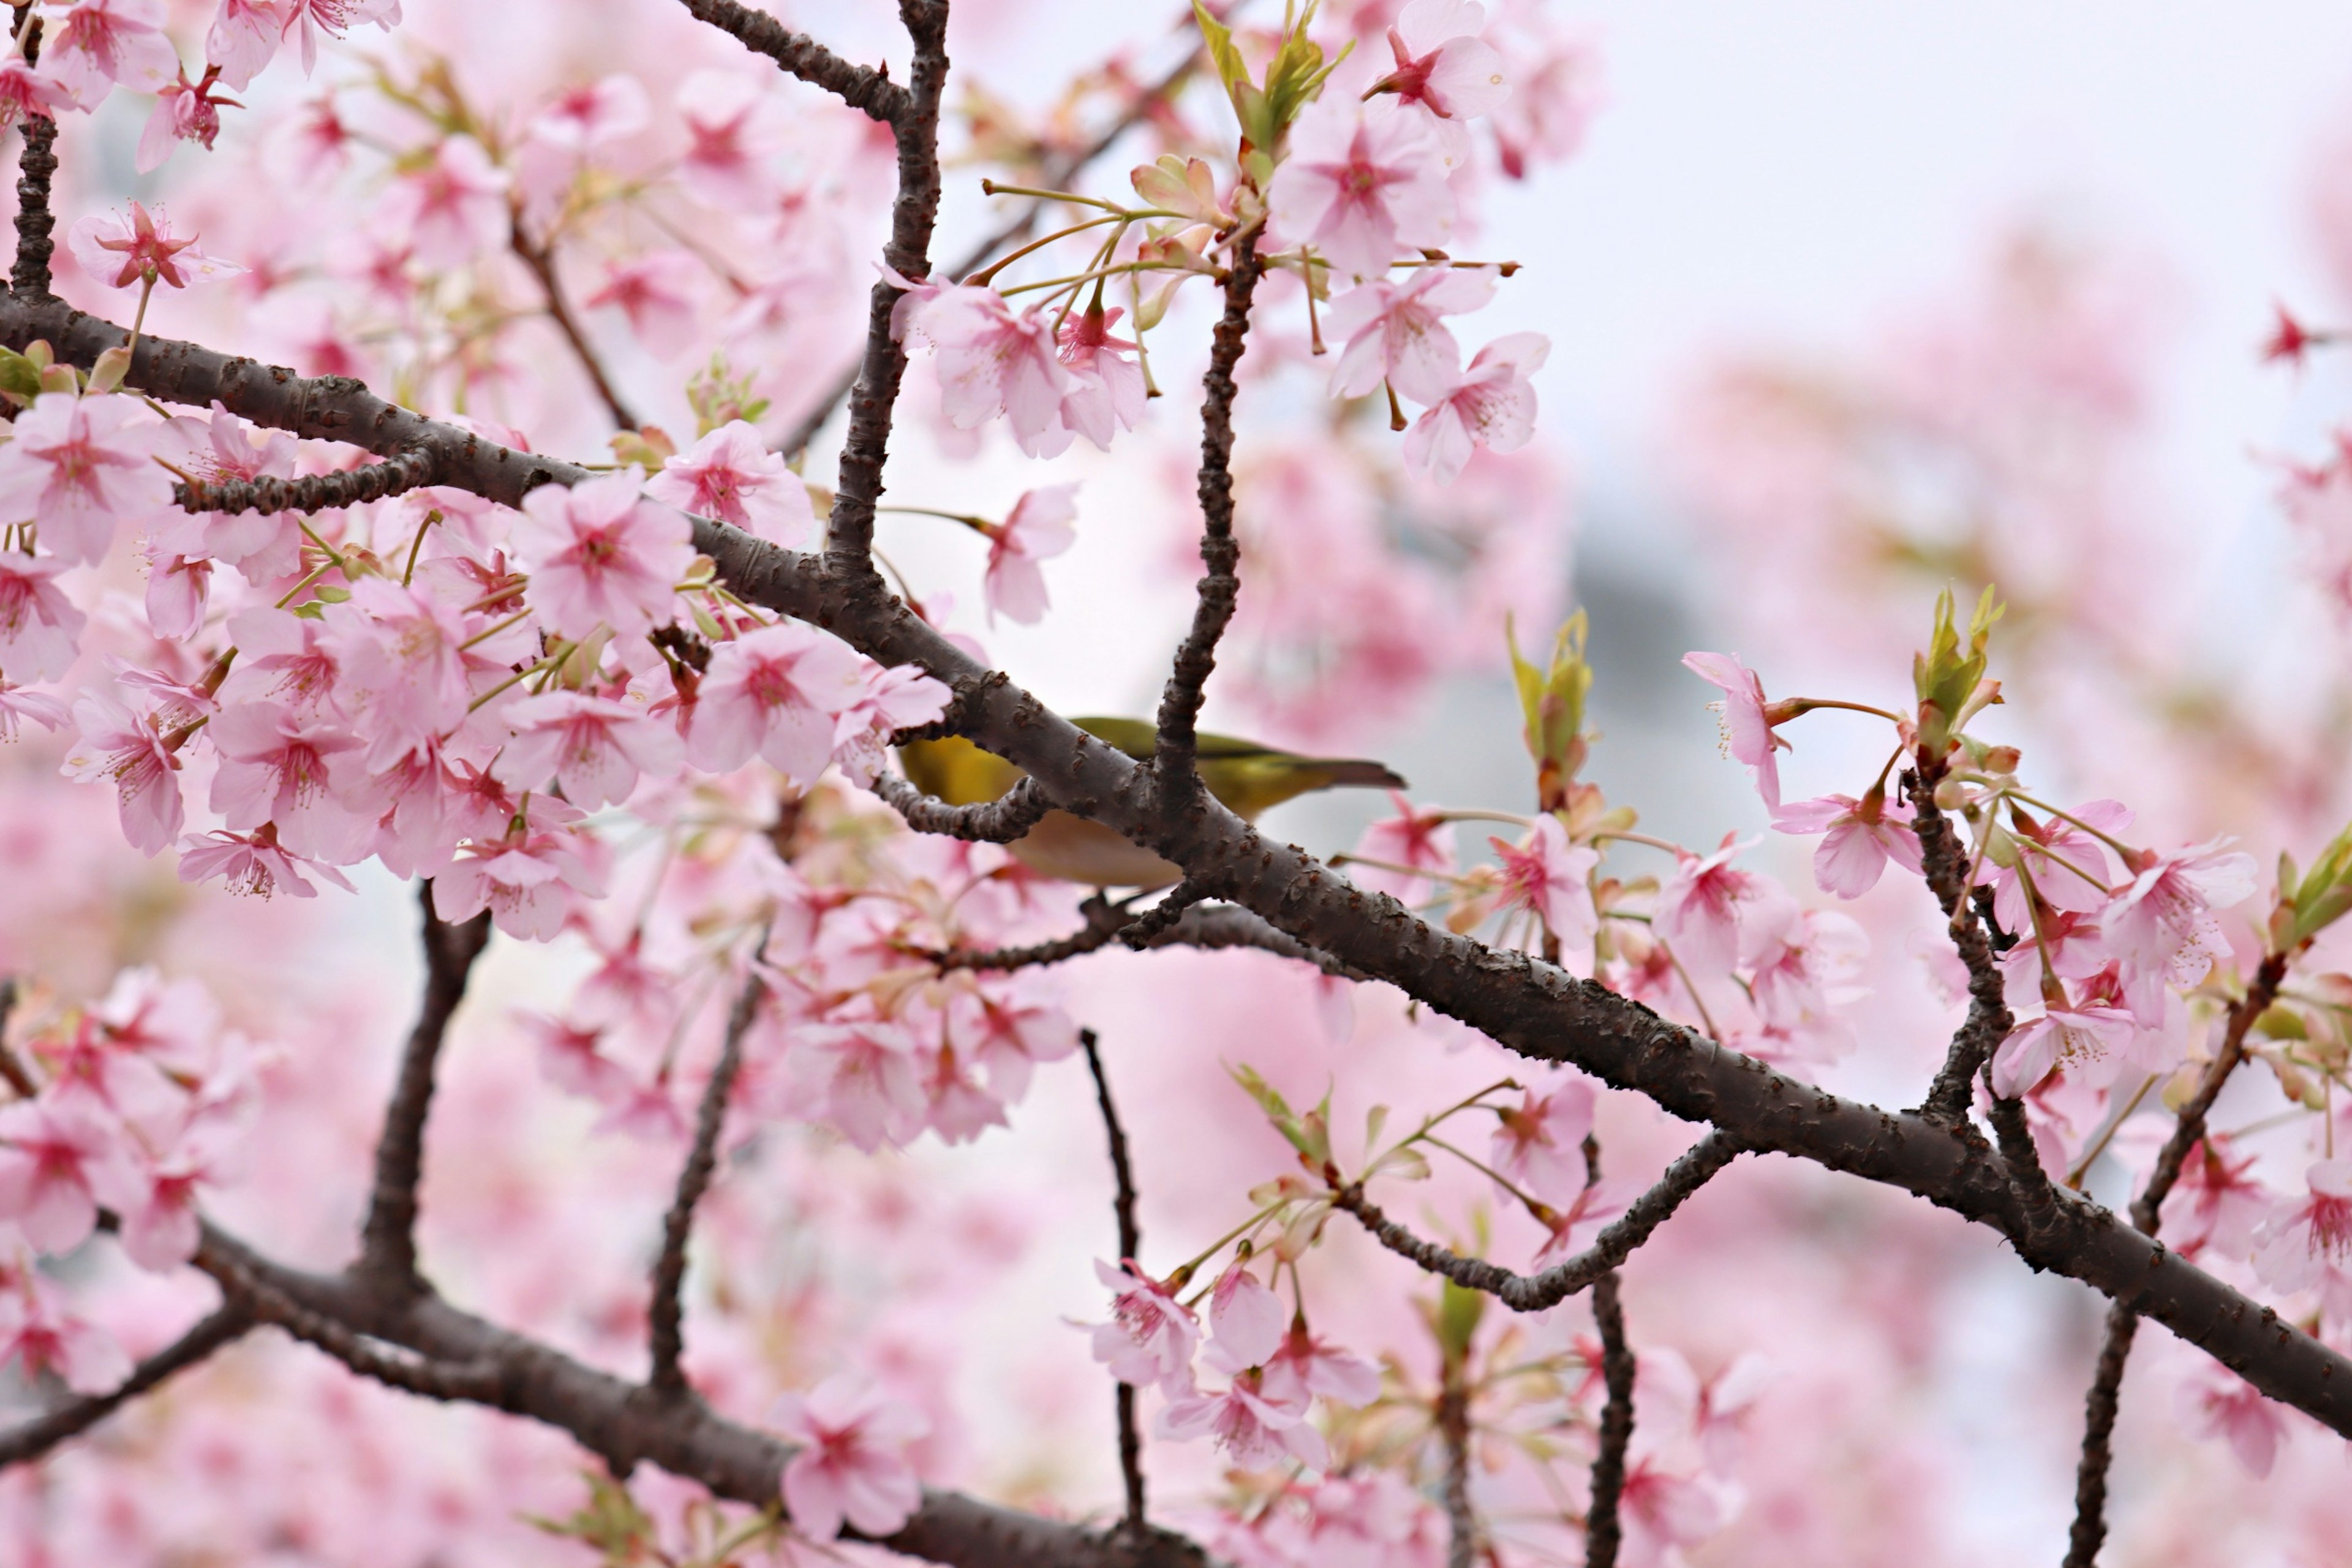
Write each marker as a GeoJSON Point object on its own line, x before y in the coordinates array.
{"type": "Point", "coordinates": [1000, 821]}
{"type": "Point", "coordinates": [1603, 1531]}
{"type": "Point", "coordinates": [388, 1242]}
{"type": "Point", "coordinates": [37, 171]}
{"type": "Point", "coordinates": [541, 261]}
{"type": "Point", "coordinates": [667, 1314]}
{"type": "Point", "coordinates": [1452, 1421]}
{"type": "Point", "coordinates": [315, 492]}
{"type": "Point", "coordinates": [1130, 1243]}
{"type": "Point", "coordinates": [869, 91]}
{"type": "Point", "coordinates": [46, 1431]}
{"type": "Point", "coordinates": [1988, 1022]}
{"type": "Point", "coordinates": [1534, 1292]}
{"type": "Point", "coordinates": [1160, 917]}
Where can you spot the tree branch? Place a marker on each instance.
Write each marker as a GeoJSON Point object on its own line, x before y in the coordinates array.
{"type": "Point", "coordinates": [1000, 821]}
{"type": "Point", "coordinates": [665, 1317]}
{"type": "Point", "coordinates": [1176, 782]}
{"type": "Point", "coordinates": [849, 533]}
{"type": "Point", "coordinates": [318, 492]}
{"type": "Point", "coordinates": [1130, 1243]}
{"type": "Point", "coordinates": [1451, 1417]}
{"type": "Point", "coordinates": [1603, 1531]}
{"type": "Point", "coordinates": [541, 261]}
{"type": "Point", "coordinates": [388, 1241]}
{"type": "Point", "coordinates": [36, 170]}
{"type": "Point", "coordinates": [1988, 1022]}
{"type": "Point", "coordinates": [868, 89]}
{"type": "Point", "coordinates": [2100, 1405]}
{"type": "Point", "coordinates": [37, 1436]}
{"type": "Point", "coordinates": [1534, 1292]}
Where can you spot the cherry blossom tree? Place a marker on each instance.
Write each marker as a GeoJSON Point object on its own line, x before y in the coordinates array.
{"type": "Point", "coordinates": [725, 1202]}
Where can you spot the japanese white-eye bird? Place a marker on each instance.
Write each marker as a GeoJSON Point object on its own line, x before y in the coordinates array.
{"type": "Point", "coordinates": [1247, 777]}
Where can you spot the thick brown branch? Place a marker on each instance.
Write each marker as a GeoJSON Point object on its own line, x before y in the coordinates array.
{"type": "Point", "coordinates": [2100, 1405]}
{"type": "Point", "coordinates": [849, 533]}
{"type": "Point", "coordinates": [317, 492]}
{"type": "Point", "coordinates": [36, 170]}
{"type": "Point", "coordinates": [1130, 1243]}
{"type": "Point", "coordinates": [1534, 1292]}
{"type": "Point", "coordinates": [1175, 781]}
{"type": "Point", "coordinates": [667, 1310]}
{"type": "Point", "coordinates": [541, 261]}
{"type": "Point", "coordinates": [868, 89]}
{"type": "Point", "coordinates": [1000, 821]}
{"type": "Point", "coordinates": [44, 1432]}
{"type": "Point", "coordinates": [388, 1242]}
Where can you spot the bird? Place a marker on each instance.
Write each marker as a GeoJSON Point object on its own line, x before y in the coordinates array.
{"type": "Point", "coordinates": [1247, 776]}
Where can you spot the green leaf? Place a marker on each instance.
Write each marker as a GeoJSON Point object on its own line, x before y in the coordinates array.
{"type": "Point", "coordinates": [106, 374]}
{"type": "Point", "coordinates": [1459, 1310]}
{"type": "Point", "coordinates": [20, 378]}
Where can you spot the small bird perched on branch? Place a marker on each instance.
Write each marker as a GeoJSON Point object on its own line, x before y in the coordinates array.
{"type": "Point", "coordinates": [1248, 777]}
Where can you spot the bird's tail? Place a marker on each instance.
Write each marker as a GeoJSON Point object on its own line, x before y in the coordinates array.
{"type": "Point", "coordinates": [1358, 773]}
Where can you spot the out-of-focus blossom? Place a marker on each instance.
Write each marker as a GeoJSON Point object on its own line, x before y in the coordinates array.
{"type": "Point", "coordinates": [656, 293]}
{"type": "Point", "coordinates": [28, 94]}
{"type": "Point", "coordinates": [2217, 1402]}
{"type": "Point", "coordinates": [1038, 529]}
{"type": "Point", "coordinates": [102, 42]}
{"type": "Point", "coordinates": [19, 705]}
{"type": "Point", "coordinates": [594, 746]}
{"type": "Point", "coordinates": [42, 1334]}
{"type": "Point", "coordinates": [52, 1160]}
{"type": "Point", "coordinates": [1247, 1321]}
{"type": "Point", "coordinates": [450, 208]}
{"type": "Point", "coordinates": [40, 629]}
{"type": "Point", "coordinates": [735, 128]}
{"type": "Point", "coordinates": [2306, 1243]}
{"type": "Point", "coordinates": [1403, 855]}
{"type": "Point", "coordinates": [1539, 1143]}
{"type": "Point", "coordinates": [593, 114]}
{"type": "Point", "coordinates": [853, 1463]}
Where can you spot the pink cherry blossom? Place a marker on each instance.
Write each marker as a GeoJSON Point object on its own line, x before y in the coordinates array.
{"type": "Point", "coordinates": [77, 468]}
{"type": "Point", "coordinates": [130, 753]}
{"type": "Point", "coordinates": [1326, 1370]}
{"type": "Point", "coordinates": [2163, 924]}
{"type": "Point", "coordinates": [598, 553]}
{"type": "Point", "coordinates": [656, 293]}
{"type": "Point", "coordinates": [2218, 1202]}
{"type": "Point", "coordinates": [1008, 1032]}
{"type": "Point", "coordinates": [124, 252]}
{"type": "Point", "coordinates": [279, 766]}
{"type": "Point", "coordinates": [1551, 878]}
{"type": "Point", "coordinates": [1038, 529]}
{"type": "Point", "coordinates": [1361, 184]}
{"type": "Point", "coordinates": [52, 1159]}
{"type": "Point", "coordinates": [891, 700]}
{"type": "Point", "coordinates": [1258, 1419]}
{"type": "Point", "coordinates": [1394, 331]}
{"type": "Point", "coordinates": [1540, 1145]}
{"type": "Point", "coordinates": [731, 475]}
{"type": "Point", "coordinates": [594, 746]}
{"type": "Point", "coordinates": [40, 630]}
{"type": "Point", "coordinates": [2087, 1040]}
{"type": "Point", "coordinates": [43, 1335]}
{"type": "Point", "coordinates": [451, 207]}
{"type": "Point", "coordinates": [1416, 838]}
{"type": "Point", "coordinates": [2306, 1243]}
{"type": "Point", "coordinates": [993, 362]}
{"type": "Point", "coordinates": [1442, 63]}
{"type": "Point", "coordinates": [593, 114]}
{"type": "Point", "coordinates": [19, 704]}
{"type": "Point", "coordinates": [1859, 838]}
{"type": "Point", "coordinates": [854, 1463]}
{"type": "Point", "coordinates": [309, 20]}
{"type": "Point", "coordinates": [1247, 1321]}
{"type": "Point", "coordinates": [1574, 1228]}
{"type": "Point", "coordinates": [734, 129]}
{"type": "Point", "coordinates": [2067, 864]}
{"type": "Point", "coordinates": [863, 1081]}
{"type": "Point", "coordinates": [1748, 734]}
{"type": "Point", "coordinates": [526, 879]}
{"type": "Point", "coordinates": [184, 112]}
{"type": "Point", "coordinates": [1106, 385]}
{"type": "Point", "coordinates": [156, 1194]}
{"type": "Point", "coordinates": [1664, 1508]}
{"type": "Point", "coordinates": [254, 864]}
{"type": "Point", "coordinates": [1714, 1410]}
{"type": "Point", "coordinates": [1151, 1336]}
{"type": "Point", "coordinates": [399, 665]}
{"type": "Point", "coordinates": [28, 94]}
{"type": "Point", "coordinates": [2217, 1402]}
{"type": "Point", "coordinates": [773, 693]}
{"type": "Point", "coordinates": [102, 42]}
{"type": "Point", "coordinates": [1490, 405]}
{"type": "Point", "coordinates": [178, 587]}
{"type": "Point", "coordinates": [244, 35]}
{"type": "Point", "coordinates": [1801, 965]}
{"type": "Point", "coordinates": [1710, 911]}
{"type": "Point", "coordinates": [569, 1054]}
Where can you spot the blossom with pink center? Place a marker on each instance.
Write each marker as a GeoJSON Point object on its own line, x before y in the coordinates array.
{"type": "Point", "coordinates": [571, 1056]}
{"type": "Point", "coordinates": [1748, 734]}
{"type": "Point", "coordinates": [1491, 404]}
{"type": "Point", "coordinates": [1362, 183]}
{"type": "Point", "coordinates": [1247, 1321]}
{"type": "Point", "coordinates": [1325, 1369]}
{"type": "Point", "coordinates": [449, 208]}
{"type": "Point", "coordinates": [955, 1105]}
{"type": "Point", "coordinates": [1713, 1411]}
{"type": "Point", "coordinates": [1394, 331]}
{"type": "Point", "coordinates": [140, 249]}
{"type": "Point", "coordinates": [53, 1157]}
{"type": "Point", "coordinates": [655, 292]}
{"type": "Point", "coordinates": [594, 746]}
{"type": "Point", "coordinates": [40, 630]}
{"type": "Point", "coordinates": [2089, 1040]}
{"type": "Point", "coordinates": [2217, 1402]}
{"type": "Point", "coordinates": [735, 130]}
{"type": "Point", "coordinates": [19, 706]}
{"type": "Point", "coordinates": [2067, 864]}
{"type": "Point", "coordinates": [1664, 1509]}
{"type": "Point", "coordinates": [2307, 1242]}
{"type": "Point", "coordinates": [2163, 924]}
{"type": "Point", "coordinates": [1574, 1228]}
{"type": "Point", "coordinates": [1106, 391]}
{"type": "Point", "coordinates": [1858, 838]}
{"type": "Point", "coordinates": [592, 114]}
{"type": "Point", "coordinates": [253, 864]}
{"type": "Point", "coordinates": [1038, 529]}
{"type": "Point", "coordinates": [1709, 910]}
{"type": "Point", "coordinates": [598, 553]}
{"type": "Point", "coordinates": [282, 658]}
{"type": "Point", "coordinates": [28, 94]}
{"type": "Point", "coordinates": [731, 475]}
{"type": "Point", "coordinates": [1412, 849]}
{"type": "Point", "coordinates": [902, 698]}
{"type": "Point", "coordinates": [244, 35]}
{"type": "Point", "coordinates": [102, 42]}
{"type": "Point", "coordinates": [177, 589]}
{"type": "Point", "coordinates": [220, 447]}
{"type": "Point", "coordinates": [862, 1079]}
{"type": "Point", "coordinates": [2217, 1202]}
{"type": "Point", "coordinates": [1442, 63]}
{"type": "Point", "coordinates": [1007, 1031]}
{"type": "Point", "coordinates": [774, 693]}
{"type": "Point", "coordinates": [1804, 966]}
{"type": "Point", "coordinates": [1151, 1335]}
{"type": "Point", "coordinates": [401, 666]}
{"type": "Point", "coordinates": [128, 754]}
{"type": "Point", "coordinates": [992, 362]}
{"type": "Point", "coordinates": [154, 1195]}
{"type": "Point", "coordinates": [79, 465]}
{"type": "Point", "coordinates": [853, 1463]}
{"type": "Point", "coordinates": [1553, 878]}
{"type": "Point", "coordinates": [527, 880]}
{"type": "Point", "coordinates": [44, 1336]}
{"type": "Point", "coordinates": [1555, 93]}
{"type": "Point", "coordinates": [307, 21]}
{"type": "Point", "coordinates": [1540, 1145]}
{"type": "Point", "coordinates": [184, 112]}
{"type": "Point", "coordinates": [1258, 1419]}
{"type": "Point", "coordinates": [280, 766]}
